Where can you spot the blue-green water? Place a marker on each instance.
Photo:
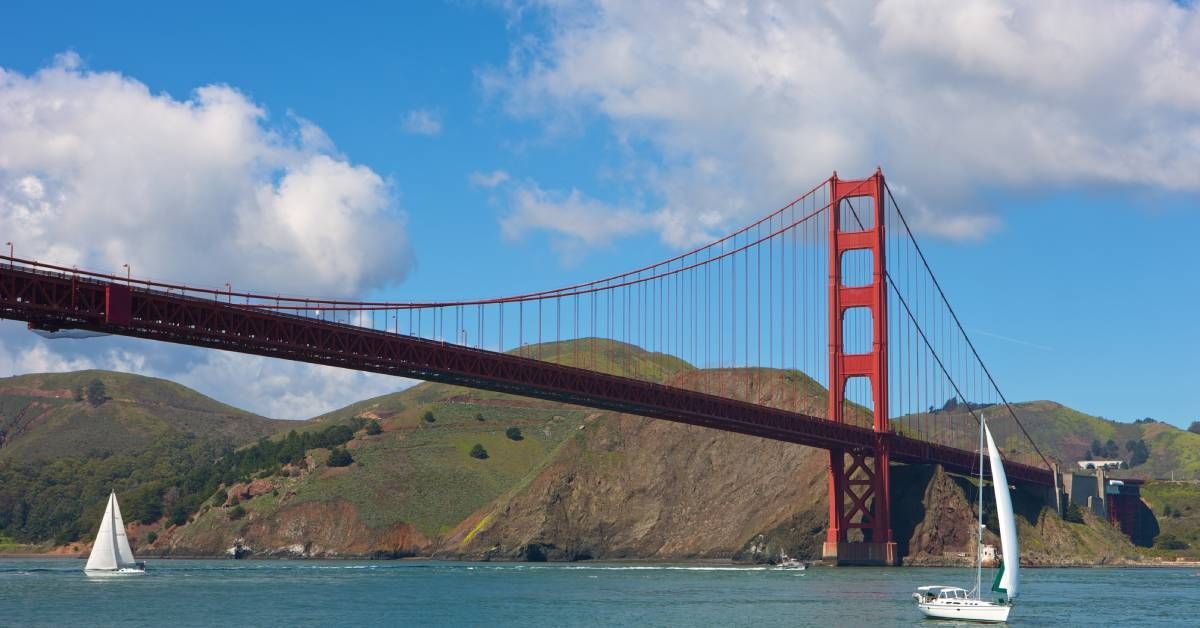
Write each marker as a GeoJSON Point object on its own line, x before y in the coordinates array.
{"type": "Point", "coordinates": [54, 592]}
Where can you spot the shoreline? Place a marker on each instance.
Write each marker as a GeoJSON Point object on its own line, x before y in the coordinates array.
{"type": "Point", "coordinates": [1190, 564]}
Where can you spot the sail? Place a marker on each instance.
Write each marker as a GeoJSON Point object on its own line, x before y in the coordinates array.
{"type": "Point", "coordinates": [124, 553]}
{"type": "Point", "coordinates": [1008, 579]}
{"type": "Point", "coordinates": [104, 553]}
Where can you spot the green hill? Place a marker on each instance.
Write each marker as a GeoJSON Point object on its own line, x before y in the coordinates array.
{"type": "Point", "coordinates": [67, 439]}
{"type": "Point", "coordinates": [440, 470]}
{"type": "Point", "coordinates": [48, 416]}
{"type": "Point", "coordinates": [1065, 436]}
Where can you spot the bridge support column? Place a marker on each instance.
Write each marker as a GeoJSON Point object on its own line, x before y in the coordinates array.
{"type": "Point", "coordinates": [859, 530]}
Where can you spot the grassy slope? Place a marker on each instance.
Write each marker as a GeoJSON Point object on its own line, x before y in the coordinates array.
{"type": "Point", "coordinates": [420, 473]}
{"type": "Point", "coordinates": [139, 411]}
{"type": "Point", "coordinates": [1183, 500]}
{"type": "Point", "coordinates": [1065, 435]}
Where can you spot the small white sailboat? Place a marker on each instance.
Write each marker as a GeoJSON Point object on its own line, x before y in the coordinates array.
{"type": "Point", "coordinates": [943, 602]}
{"type": "Point", "coordinates": [111, 555]}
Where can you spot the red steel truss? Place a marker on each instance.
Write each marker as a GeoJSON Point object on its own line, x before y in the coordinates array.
{"type": "Point", "coordinates": [61, 300]}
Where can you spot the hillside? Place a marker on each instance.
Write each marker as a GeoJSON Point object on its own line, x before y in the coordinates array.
{"type": "Point", "coordinates": [1065, 436]}
{"type": "Point", "coordinates": [49, 416]}
{"type": "Point", "coordinates": [67, 439]}
{"type": "Point", "coordinates": [578, 484]}
{"type": "Point", "coordinates": [439, 470]}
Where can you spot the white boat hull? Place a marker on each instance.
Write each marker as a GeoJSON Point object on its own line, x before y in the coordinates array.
{"type": "Point", "coordinates": [969, 610]}
{"type": "Point", "coordinates": [111, 573]}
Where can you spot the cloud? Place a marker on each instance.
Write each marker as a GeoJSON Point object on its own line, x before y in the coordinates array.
{"type": "Point", "coordinates": [98, 171]}
{"type": "Point", "coordinates": [577, 220]}
{"type": "Point", "coordinates": [422, 122]}
{"type": "Point", "coordinates": [488, 179]}
{"type": "Point", "coordinates": [746, 103]}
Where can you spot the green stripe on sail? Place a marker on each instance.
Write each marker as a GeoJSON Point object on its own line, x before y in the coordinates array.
{"type": "Point", "coordinates": [996, 585]}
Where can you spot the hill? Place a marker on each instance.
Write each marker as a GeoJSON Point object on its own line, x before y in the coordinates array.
{"type": "Point", "coordinates": [67, 439]}
{"type": "Point", "coordinates": [49, 416]}
{"type": "Point", "coordinates": [1065, 436]}
{"type": "Point", "coordinates": [445, 471]}
{"type": "Point", "coordinates": [577, 484]}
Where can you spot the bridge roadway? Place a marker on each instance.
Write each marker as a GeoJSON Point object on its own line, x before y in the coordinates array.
{"type": "Point", "coordinates": [63, 300]}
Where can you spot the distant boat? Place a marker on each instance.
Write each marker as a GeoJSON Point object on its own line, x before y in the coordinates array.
{"type": "Point", "coordinates": [111, 555]}
{"type": "Point", "coordinates": [787, 562]}
{"type": "Point", "coordinates": [944, 602]}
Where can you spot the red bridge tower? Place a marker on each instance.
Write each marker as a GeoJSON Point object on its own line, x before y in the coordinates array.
{"type": "Point", "coordinates": [858, 479]}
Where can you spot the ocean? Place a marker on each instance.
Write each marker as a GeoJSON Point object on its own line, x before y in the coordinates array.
{"type": "Point", "coordinates": [179, 593]}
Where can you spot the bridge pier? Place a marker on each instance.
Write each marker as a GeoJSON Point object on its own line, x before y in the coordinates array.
{"type": "Point", "coordinates": [858, 480]}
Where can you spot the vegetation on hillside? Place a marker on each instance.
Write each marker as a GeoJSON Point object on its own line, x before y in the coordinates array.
{"type": "Point", "coordinates": [64, 499]}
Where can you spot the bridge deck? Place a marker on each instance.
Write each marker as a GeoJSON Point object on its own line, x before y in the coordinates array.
{"type": "Point", "coordinates": [64, 301]}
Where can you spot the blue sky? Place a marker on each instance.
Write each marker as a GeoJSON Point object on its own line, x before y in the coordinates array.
{"type": "Point", "coordinates": [504, 148]}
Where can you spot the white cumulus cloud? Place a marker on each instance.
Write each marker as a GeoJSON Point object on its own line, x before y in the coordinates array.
{"type": "Point", "coordinates": [98, 171]}
{"type": "Point", "coordinates": [747, 102]}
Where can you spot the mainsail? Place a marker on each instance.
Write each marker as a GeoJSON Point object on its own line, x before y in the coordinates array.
{"type": "Point", "coordinates": [1007, 581]}
{"type": "Point", "coordinates": [111, 550]}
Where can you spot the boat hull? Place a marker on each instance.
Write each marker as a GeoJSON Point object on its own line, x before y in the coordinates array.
{"type": "Point", "coordinates": [114, 573]}
{"type": "Point", "coordinates": [967, 610]}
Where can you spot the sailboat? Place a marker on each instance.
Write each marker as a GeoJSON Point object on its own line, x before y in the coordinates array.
{"type": "Point", "coordinates": [943, 602]}
{"type": "Point", "coordinates": [111, 555]}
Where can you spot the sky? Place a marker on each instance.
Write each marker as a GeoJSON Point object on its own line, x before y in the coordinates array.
{"type": "Point", "coordinates": [1048, 153]}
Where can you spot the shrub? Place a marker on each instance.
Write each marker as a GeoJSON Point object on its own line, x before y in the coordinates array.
{"type": "Point", "coordinates": [179, 515]}
{"type": "Point", "coordinates": [152, 537]}
{"type": "Point", "coordinates": [514, 433]}
{"type": "Point", "coordinates": [479, 452]}
{"type": "Point", "coordinates": [237, 512]}
{"type": "Point", "coordinates": [479, 416]}
{"type": "Point", "coordinates": [96, 394]}
{"type": "Point", "coordinates": [220, 496]}
{"type": "Point", "coordinates": [339, 457]}
{"type": "Point", "coordinates": [1194, 427]}
{"type": "Point", "coordinates": [428, 417]}
{"type": "Point", "coordinates": [1074, 513]}
{"type": "Point", "coordinates": [374, 428]}
{"type": "Point", "coordinates": [1139, 453]}
{"type": "Point", "coordinates": [1169, 542]}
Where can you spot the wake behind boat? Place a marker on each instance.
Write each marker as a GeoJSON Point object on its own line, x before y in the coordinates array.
{"type": "Point", "coordinates": [943, 602]}
{"type": "Point", "coordinates": [111, 554]}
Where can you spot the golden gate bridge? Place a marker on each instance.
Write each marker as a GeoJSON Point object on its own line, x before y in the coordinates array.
{"type": "Point", "coordinates": [821, 324]}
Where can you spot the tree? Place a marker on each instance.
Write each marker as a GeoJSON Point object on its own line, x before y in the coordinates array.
{"type": "Point", "coordinates": [514, 433]}
{"type": "Point", "coordinates": [339, 457]}
{"type": "Point", "coordinates": [1194, 427]}
{"type": "Point", "coordinates": [374, 428]}
{"type": "Point", "coordinates": [152, 537]}
{"type": "Point", "coordinates": [428, 417]}
{"type": "Point", "coordinates": [1168, 541]}
{"type": "Point", "coordinates": [1139, 453]}
{"type": "Point", "coordinates": [479, 416]}
{"type": "Point", "coordinates": [237, 512]}
{"type": "Point", "coordinates": [1097, 449]}
{"type": "Point", "coordinates": [96, 394]}
{"type": "Point", "coordinates": [478, 452]}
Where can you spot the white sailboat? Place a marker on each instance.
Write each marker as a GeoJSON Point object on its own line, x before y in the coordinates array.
{"type": "Point", "coordinates": [943, 602]}
{"type": "Point", "coordinates": [111, 555]}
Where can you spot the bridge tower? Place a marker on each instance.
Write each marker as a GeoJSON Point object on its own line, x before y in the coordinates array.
{"type": "Point", "coordinates": [858, 479]}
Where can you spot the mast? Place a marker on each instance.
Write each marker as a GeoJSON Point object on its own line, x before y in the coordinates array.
{"type": "Point", "coordinates": [979, 527]}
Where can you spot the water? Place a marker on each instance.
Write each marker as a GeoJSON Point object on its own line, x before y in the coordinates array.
{"type": "Point", "coordinates": [178, 593]}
